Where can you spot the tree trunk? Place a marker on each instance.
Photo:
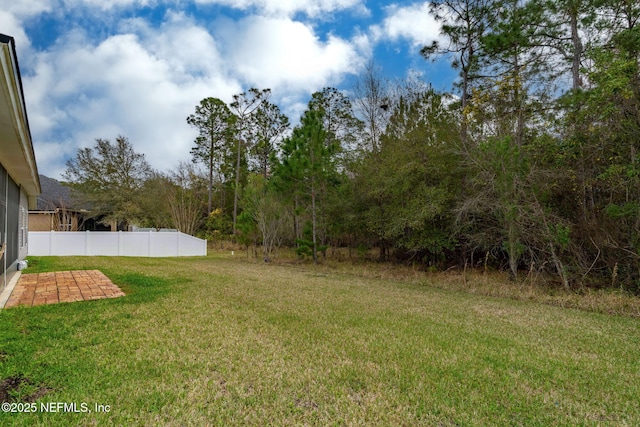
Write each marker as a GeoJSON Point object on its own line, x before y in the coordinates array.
{"type": "Point", "coordinates": [577, 50]}
{"type": "Point", "coordinates": [296, 220]}
{"type": "Point", "coordinates": [513, 252]}
{"type": "Point", "coordinates": [313, 208]}
{"type": "Point", "coordinates": [465, 100]}
{"type": "Point", "coordinates": [210, 204]}
{"type": "Point", "coordinates": [313, 222]}
{"type": "Point", "coordinates": [237, 186]}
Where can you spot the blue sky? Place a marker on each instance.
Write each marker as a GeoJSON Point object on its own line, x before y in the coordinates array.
{"type": "Point", "coordinates": [102, 68]}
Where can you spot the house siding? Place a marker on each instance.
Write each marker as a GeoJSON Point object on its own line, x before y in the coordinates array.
{"type": "Point", "coordinates": [41, 221]}
{"type": "Point", "coordinates": [55, 220]}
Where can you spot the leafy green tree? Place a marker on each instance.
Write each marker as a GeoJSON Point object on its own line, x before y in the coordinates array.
{"type": "Point", "coordinates": [243, 106]}
{"type": "Point", "coordinates": [154, 210]}
{"type": "Point", "coordinates": [306, 165]}
{"type": "Point", "coordinates": [565, 28]}
{"type": "Point", "coordinates": [216, 126]}
{"type": "Point", "coordinates": [343, 128]}
{"type": "Point", "coordinates": [408, 188]}
{"type": "Point", "coordinates": [604, 142]}
{"type": "Point", "coordinates": [464, 23]}
{"type": "Point", "coordinates": [343, 136]}
{"type": "Point", "coordinates": [267, 126]}
{"type": "Point", "coordinates": [493, 214]}
{"type": "Point", "coordinates": [263, 207]}
{"type": "Point", "coordinates": [109, 179]}
{"type": "Point", "coordinates": [247, 232]}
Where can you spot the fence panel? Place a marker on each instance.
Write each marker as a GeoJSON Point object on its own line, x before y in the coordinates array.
{"type": "Point", "coordinates": [73, 244]}
{"type": "Point", "coordinates": [141, 244]}
{"type": "Point", "coordinates": [98, 243]}
{"type": "Point", "coordinates": [164, 243]}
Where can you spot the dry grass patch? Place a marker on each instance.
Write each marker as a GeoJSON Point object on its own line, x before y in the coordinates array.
{"type": "Point", "coordinates": [496, 284]}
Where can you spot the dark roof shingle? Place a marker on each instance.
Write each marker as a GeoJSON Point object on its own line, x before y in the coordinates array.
{"type": "Point", "coordinates": [54, 195]}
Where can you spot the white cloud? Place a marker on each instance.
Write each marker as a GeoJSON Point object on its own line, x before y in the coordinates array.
{"type": "Point", "coordinates": [11, 26]}
{"type": "Point", "coordinates": [281, 8]}
{"type": "Point", "coordinates": [287, 55]}
{"type": "Point", "coordinates": [144, 79]}
{"type": "Point", "coordinates": [314, 8]}
{"type": "Point", "coordinates": [46, 150]}
{"type": "Point", "coordinates": [190, 50]}
{"type": "Point", "coordinates": [364, 44]}
{"type": "Point", "coordinates": [106, 4]}
{"type": "Point", "coordinates": [413, 23]}
{"type": "Point", "coordinates": [27, 8]}
{"type": "Point", "coordinates": [140, 85]}
{"type": "Point", "coordinates": [42, 120]}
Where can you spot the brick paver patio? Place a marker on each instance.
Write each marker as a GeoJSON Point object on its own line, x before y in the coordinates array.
{"type": "Point", "coordinates": [63, 286]}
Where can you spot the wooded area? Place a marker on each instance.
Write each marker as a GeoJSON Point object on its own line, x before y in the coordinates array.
{"type": "Point", "coordinates": [531, 164]}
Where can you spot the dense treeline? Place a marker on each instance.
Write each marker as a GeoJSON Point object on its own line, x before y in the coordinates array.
{"type": "Point", "coordinates": [530, 164]}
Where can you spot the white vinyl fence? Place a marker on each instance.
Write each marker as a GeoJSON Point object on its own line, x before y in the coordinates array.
{"type": "Point", "coordinates": [104, 243]}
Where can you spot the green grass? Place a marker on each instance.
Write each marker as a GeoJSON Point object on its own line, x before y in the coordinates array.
{"type": "Point", "coordinates": [224, 341]}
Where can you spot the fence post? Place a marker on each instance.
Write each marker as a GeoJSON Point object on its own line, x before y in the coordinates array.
{"type": "Point", "coordinates": [120, 243]}
{"type": "Point", "coordinates": [51, 242]}
{"type": "Point", "coordinates": [177, 243]}
{"type": "Point", "coordinates": [150, 245]}
{"type": "Point", "coordinates": [86, 243]}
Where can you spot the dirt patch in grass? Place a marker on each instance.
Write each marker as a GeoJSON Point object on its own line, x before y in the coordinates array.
{"type": "Point", "coordinates": [22, 389]}
{"type": "Point", "coordinates": [305, 404]}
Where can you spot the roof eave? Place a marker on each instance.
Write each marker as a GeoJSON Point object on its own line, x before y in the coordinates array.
{"type": "Point", "coordinates": [16, 150]}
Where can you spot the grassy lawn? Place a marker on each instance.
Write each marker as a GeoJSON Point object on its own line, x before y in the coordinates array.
{"type": "Point", "coordinates": [224, 341]}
